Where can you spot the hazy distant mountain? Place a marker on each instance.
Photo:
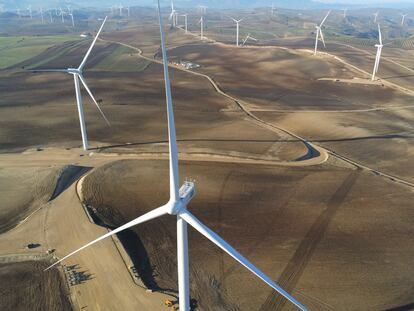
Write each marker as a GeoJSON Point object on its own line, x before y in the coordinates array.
{"type": "Point", "coordinates": [291, 4]}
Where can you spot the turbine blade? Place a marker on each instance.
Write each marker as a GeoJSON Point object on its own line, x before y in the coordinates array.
{"type": "Point", "coordinates": [323, 40]}
{"type": "Point", "coordinates": [91, 47]}
{"type": "Point", "coordinates": [379, 34]}
{"type": "Point", "coordinates": [49, 70]}
{"type": "Point", "coordinates": [172, 140]}
{"type": "Point", "coordinates": [213, 237]}
{"type": "Point", "coordinates": [148, 216]}
{"type": "Point", "coordinates": [379, 58]}
{"type": "Point", "coordinates": [93, 98]}
{"type": "Point", "coordinates": [323, 21]}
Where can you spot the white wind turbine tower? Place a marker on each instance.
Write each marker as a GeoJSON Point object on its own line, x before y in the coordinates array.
{"type": "Point", "coordinates": [375, 16]}
{"type": "Point", "coordinates": [173, 15]}
{"type": "Point", "coordinates": [345, 11]}
{"type": "Point", "coordinates": [247, 38]}
{"type": "Point", "coordinates": [62, 14]}
{"type": "Point", "coordinates": [78, 75]}
{"type": "Point", "coordinates": [202, 9]}
{"type": "Point", "coordinates": [29, 8]}
{"type": "Point", "coordinates": [201, 22]}
{"type": "Point", "coordinates": [120, 9]}
{"type": "Point", "coordinates": [237, 29]}
{"type": "Point", "coordinates": [73, 20]}
{"type": "Point", "coordinates": [41, 15]}
{"type": "Point", "coordinates": [177, 207]}
{"type": "Point", "coordinates": [320, 33]}
{"type": "Point", "coordinates": [185, 22]}
{"type": "Point", "coordinates": [378, 56]}
{"type": "Point", "coordinates": [51, 17]}
{"type": "Point", "coordinates": [273, 10]}
{"type": "Point", "coordinates": [403, 19]}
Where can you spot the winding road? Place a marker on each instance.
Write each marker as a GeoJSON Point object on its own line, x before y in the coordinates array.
{"type": "Point", "coordinates": [314, 149]}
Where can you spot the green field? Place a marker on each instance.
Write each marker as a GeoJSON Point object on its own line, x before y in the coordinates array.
{"type": "Point", "coordinates": [16, 49]}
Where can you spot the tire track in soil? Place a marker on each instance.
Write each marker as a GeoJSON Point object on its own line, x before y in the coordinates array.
{"type": "Point", "coordinates": [297, 264]}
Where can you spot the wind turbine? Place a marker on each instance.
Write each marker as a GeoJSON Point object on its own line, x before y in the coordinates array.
{"type": "Point", "coordinates": [320, 33]}
{"type": "Point", "coordinates": [73, 20]}
{"type": "Point", "coordinates": [128, 10]}
{"type": "Point", "coordinates": [78, 75]}
{"type": "Point", "coordinates": [173, 15]}
{"type": "Point", "coordinates": [247, 38]}
{"type": "Point", "coordinates": [375, 16]}
{"type": "Point", "coordinates": [378, 56]}
{"type": "Point", "coordinates": [51, 17]}
{"type": "Point", "coordinates": [29, 8]}
{"type": "Point", "coordinates": [345, 11]}
{"type": "Point", "coordinates": [185, 22]}
{"type": "Point", "coordinates": [62, 14]}
{"type": "Point", "coordinates": [403, 19]}
{"type": "Point", "coordinates": [203, 9]}
{"type": "Point", "coordinates": [41, 15]}
{"type": "Point", "coordinates": [273, 10]}
{"type": "Point", "coordinates": [201, 22]}
{"type": "Point", "coordinates": [120, 9]}
{"type": "Point", "coordinates": [237, 29]}
{"type": "Point", "coordinates": [177, 206]}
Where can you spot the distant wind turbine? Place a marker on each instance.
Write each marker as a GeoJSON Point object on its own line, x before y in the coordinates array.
{"type": "Point", "coordinates": [41, 15]}
{"type": "Point", "coordinates": [51, 17]}
{"type": "Point", "coordinates": [202, 9]}
{"type": "Point", "coordinates": [403, 19]}
{"type": "Point", "coordinates": [78, 75]}
{"type": "Point", "coordinates": [29, 8]}
{"type": "Point", "coordinates": [273, 9]}
{"type": "Point", "coordinates": [62, 14]}
{"type": "Point", "coordinates": [237, 29]}
{"type": "Point", "coordinates": [120, 9]}
{"type": "Point", "coordinates": [173, 15]}
{"type": "Point", "coordinates": [185, 22]}
{"type": "Point", "coordinates": [247, 38]}
{"type": "Point", "coordinates": [73, 20]}
{"type": "Point", "coordinates": [345, 11]}
{"type": "Point", "coordinates": [201, 22]}
{"type": "Point", "coordinates": [375, 16]}
{"type": "Point", "coordinates": [177, 207]}
{"type": "Point", "coordinates": [320, 33]}
{"type": "Point", "coordinates": [378, 56]}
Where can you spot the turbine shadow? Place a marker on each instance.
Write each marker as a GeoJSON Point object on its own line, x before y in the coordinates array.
{"type": "Point", "coordinates": [193, 140]}
{"type": "Point", "coordinates": [407, 307]}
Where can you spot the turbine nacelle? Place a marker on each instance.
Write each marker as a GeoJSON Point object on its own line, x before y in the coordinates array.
{"type": "Point", "coordinates": [186, 193]}
{"type": "Point", "coordinates": [74, 71]}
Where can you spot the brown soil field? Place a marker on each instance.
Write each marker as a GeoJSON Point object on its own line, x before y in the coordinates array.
{"type": "Point", "coordinates": [333, 236]}
{"type": "Point", "coordinates": [272, 78]}
{"type": "Point", "coordinates": [336, 237]}
{"type": "Point", "coordinates": [134, 103]}
{"type": "Point", "coordinates": [378, 139]}
{"type": "Point", "coordinates": [341, 116]}
{"type": "Point", "coordinates": [389, 70]}
{"type": "Point", "coordinates": [25, 286]}
{"type": "Point", "coordinates": [22, 191]}
{"type": "Point", "coordinates": [25, 189]}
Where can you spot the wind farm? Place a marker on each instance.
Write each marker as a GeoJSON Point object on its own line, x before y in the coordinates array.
{"type": "Point", "coordinates": [206, 157]}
